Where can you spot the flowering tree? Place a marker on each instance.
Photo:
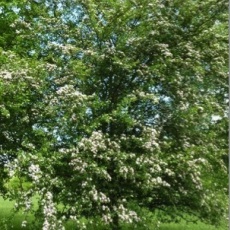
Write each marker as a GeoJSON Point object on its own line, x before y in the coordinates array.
{"type": "Point", "coordinates": [110, 106]}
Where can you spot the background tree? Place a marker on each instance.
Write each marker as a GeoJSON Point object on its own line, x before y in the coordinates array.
{"type": "Point", "coordinates": [119, 108]}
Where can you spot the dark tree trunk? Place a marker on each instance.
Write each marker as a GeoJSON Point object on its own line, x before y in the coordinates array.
{"type": "Point", "coordinates": [115, 224]}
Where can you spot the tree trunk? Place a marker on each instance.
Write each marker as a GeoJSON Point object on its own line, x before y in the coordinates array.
{"type": "Point", "coordinates": [115, 224]}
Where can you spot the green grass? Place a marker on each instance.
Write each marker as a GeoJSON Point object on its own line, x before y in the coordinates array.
{"type": "Point", "coordinates": [6, 207]}
{"type": "Point", "coordinates": [184, 226]}
{"type": "Point", "coordinates": [7, 219]}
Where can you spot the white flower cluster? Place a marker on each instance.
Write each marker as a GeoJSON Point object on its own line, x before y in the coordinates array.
{"type": "Point", "coordinates": [65, 49]}
{"type": "Point", "coordinates": [89, 52]}
{"type": "Point", "coordinates": [6, 75]}
{"type": "Point", "coordinates": [6, 133]}
{"type": "Point", "coordinates": [157, 182]}
{"type": "Point", "coordinates": [68, 90]}
{"type": "Point", "coordinates": [98, 196]}
{"type": "Point", "coordinates": [49, 209]}
{"type": "Point", "coordinates": [126, 215]}
{"type": "Point", "coordinates": [35, 172]}
{"type": "Point", "coordinates": [78, 164]}
{"type": "Point", "coordinates": [151, 139]}
{"type": "Point", "coordinates": [51, 67]}
{"type": "Point", "coordinates": [49, 212]}
{"type": "Point", "coordinates": [24, 223]}
{"type": "Point", "coordinates": [95, 143]}
{"type": "Point", "coordinates": [6, 113]}
{"type": "Point", "coordinates": [24, 201]}
{"type": "Point", "coordinates": [149, 161]}
{"type": "Point", "coordinates": [145, 95]}
{"type": "Point", "coordinates": [12, 167]}
{"type": "Point", "coordinates": [169, 172]}
{"type": "Point", "coordinates": [133, 40]}
{"type": "Point", "coordinates": [199, 161]}
{"type": "Point", "coordinates": [126, 171]}
{"type": "Point", "coordinates": [20, 22]}
{"type": "Point", "coordinates": [107, 218]}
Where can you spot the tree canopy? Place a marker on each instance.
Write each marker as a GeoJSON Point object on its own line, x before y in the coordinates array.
{"type": "Point", "coordinates": [111, 106]}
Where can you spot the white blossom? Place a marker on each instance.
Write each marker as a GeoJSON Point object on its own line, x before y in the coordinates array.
{"type": "Point", "coordinates": [24, 224]}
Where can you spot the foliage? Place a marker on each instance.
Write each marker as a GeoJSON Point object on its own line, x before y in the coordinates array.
{"type": "Point", "coordinates": [112, 103]}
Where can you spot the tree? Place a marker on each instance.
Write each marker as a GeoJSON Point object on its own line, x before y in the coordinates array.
{"type": "Point", "coordinates": [123, 111]}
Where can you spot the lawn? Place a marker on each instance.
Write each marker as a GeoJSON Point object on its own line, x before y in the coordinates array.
{"type": "Point", "coordinates": [15, 221]}
{"type": "Point", "coordinates": [6, 216]}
